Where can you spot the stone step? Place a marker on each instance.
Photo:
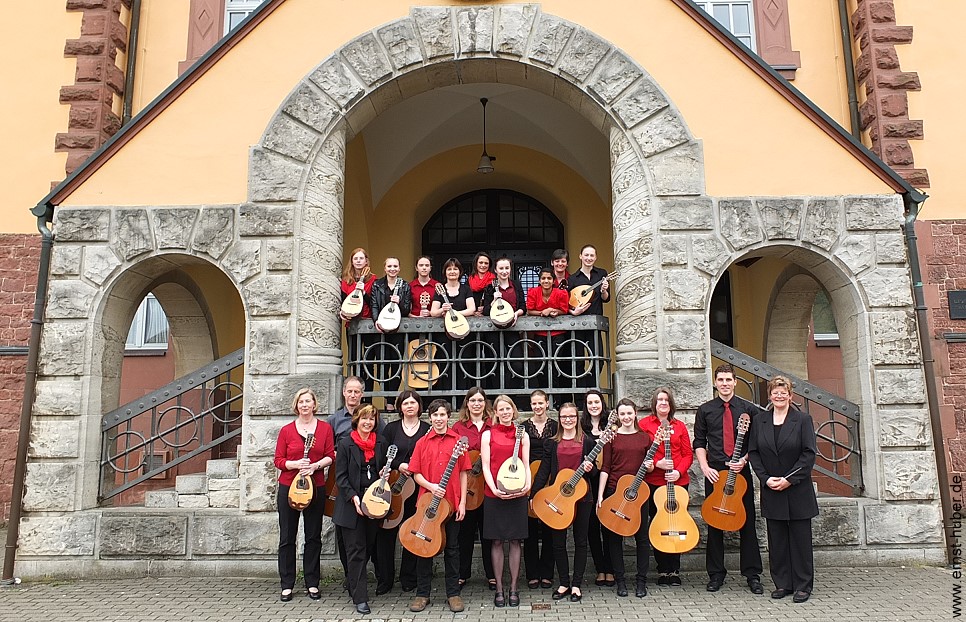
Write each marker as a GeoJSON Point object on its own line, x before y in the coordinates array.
{"type": "Point", "coordinates": [192, 484]}
{"type": "Point", "coordinates": [163, 498]}
{"type": "Point", "coordinates": [226, 468]}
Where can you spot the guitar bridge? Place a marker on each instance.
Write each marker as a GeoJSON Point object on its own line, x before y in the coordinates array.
{"type": "Point", "coordinates": [421, 536]}
{"type": "Point", "coordinates": [675, 534]}
{"type": "Point", "coordinates": [621, 515]}
{"type": "Point", "coordinates": [725, 511]}
{"type": "Point", "coordinates": [554, 508]}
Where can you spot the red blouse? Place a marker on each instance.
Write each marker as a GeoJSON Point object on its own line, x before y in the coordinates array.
{"type": "Point", "coordinates": [467, 429]}
{"type": "Point", "coordinates": [681, 452]}
{"type": "Point", "coordinates": [419, 289]}
{"type": "Point", "coordinates": [559, 299]}
{"type": "Point", "coordinates": [347, 288]}
{"type": "Point", "coordinates": [501, 448]}
{"type": "Point", "coordinates": [291, 446]}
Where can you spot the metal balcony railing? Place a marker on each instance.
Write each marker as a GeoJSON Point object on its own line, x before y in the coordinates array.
{"type": "Point", "coordinates": [839, 460]}
{"type": "Point", "coordinates": [514, 361]}
{"type": "Point", "coordinates": [146, 438]}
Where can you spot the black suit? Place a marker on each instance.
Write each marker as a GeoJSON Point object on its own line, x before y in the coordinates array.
{"type": "Point", "coordinates": [709, 435]}
{"type": "Point", "coordinates": [789, 512]}
{"type": "Point", "coordinates": [352, 476]}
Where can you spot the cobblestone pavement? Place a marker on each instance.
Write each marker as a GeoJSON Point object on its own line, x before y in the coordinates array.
{"type": "Point", "coordinates": [841, 594]}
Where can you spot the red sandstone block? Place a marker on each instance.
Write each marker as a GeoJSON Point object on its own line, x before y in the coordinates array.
{"type": "Point", "coordinates": [902, 129]}
{"type": "Point", "coordinates": [90, 69]}
{"type": "Point", "coordinates": [892, 34]}
{"type": "Point", "coordinates": [85, 47]}
{"type": "Point", "coordinates": [94, 24]}
{"type": "Point", "coordinates": [882, 12]}
{"type": "Point", "coordinates": [863, 65]}
{"type": "Point", "coordinates": [905, 80]}
{"type": "Point", "coordinates": [886, 57]}
{"type": "Point", "coordinates": [85, 93]}
{"type": "Point", "coordinates": [75, 140]}
{"type": "Point", "coordinates": [75, 158]}
{"type": "Point", "coordinates": [77, 5]}
{"type": "Point", "coordinates": [894, 104]}
{"type": "Point", "coordinates": [898, 153]}
{"type": "Point", "coordinates": [916, 177]}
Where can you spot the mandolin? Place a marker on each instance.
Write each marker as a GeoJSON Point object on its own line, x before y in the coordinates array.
{"type": "Point", "coordinates": [422, 533]}
{"type": "Point", "coordinates": [376, 499]}
{"type": "Point", "coordinates": [672, 528]}
{"type": "Point", "coordinates": [302, 490]}
{"type": "Point", "coordinates": [723, 509]}
{"type": "Point", "coordinates": [556, 504]}
{"type": "Point", "coordinates": [390, 315]}
{"type": "Point", "coordinates": [621, 512]}
{"type": "Point", "coordinates": [512, 475]}
{"type": "Point", "coordinates": [582, 294]}
{"type": "Point", "coordinates": [501, 313]}
{"type": "Point", "coordinates": [331, 492]}
{"type": "Point", "coordinates": [352, 305]}
{"type": "Point", "coordinates": [475, 482]}
{"type": "Point", "coordinates": [402, 487]}
{"type": "Point", "coordinates": [456, 324]}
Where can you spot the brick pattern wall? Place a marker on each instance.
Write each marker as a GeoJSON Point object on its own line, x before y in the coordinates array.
{"type": "Point", "coordinates": [885, 113]}
{"type": "Point", "coordinates": [97, 79]}
{"type": "Point", "coordinates": [19, 259]}
{"type": "Point", "coordinates": [942, 255]}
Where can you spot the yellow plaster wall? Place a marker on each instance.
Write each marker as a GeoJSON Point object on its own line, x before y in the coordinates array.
{"type": "Point", "coordinates": [935, 56]}
{"type": "Point", "coordinates": [162, 44]}
{"type": "Point", "coordinates": [32, 115]}
{"type": "Point", "coordinates": [751, 290]}
{"type": "Point", "coordinates": [754, 142]}
{"type": "Point", "coordinates": [224, 306]}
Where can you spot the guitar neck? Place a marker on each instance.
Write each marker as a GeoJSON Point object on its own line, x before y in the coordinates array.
{"type": "Point", "coordinates": [642, 470]}
{"type": "Point", "coordinates": [670, 485]}
{"type": "Point", "coordinates": [444, 481]}
{"type": "Point", "coordinates": [591, 458]}
{"type": "Point", "coordinates": [400, 483]}
{"type": "Point", "coordinates": [733, 475]}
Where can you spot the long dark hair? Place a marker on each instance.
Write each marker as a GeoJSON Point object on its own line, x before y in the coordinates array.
{"type": "Point", "coordinates": [585, 421]}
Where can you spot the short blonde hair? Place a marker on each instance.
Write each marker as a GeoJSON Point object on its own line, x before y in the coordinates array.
{"type": "Point", "coordinates": [298, 396]}
{"type": "Point", "coordinates": [365, 410]}
{"type": "Point", "coordinates": [781, 381]}
{"type": "Point", "coordinates": [503, 398]}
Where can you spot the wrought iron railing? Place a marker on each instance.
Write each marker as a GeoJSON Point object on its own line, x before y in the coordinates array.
{"type": "Point", "coordinates": [514, 361]}
{"type": "Point", "coordinates": [167, 427]}
{"type": "Point", "coordinates": [836, 419]}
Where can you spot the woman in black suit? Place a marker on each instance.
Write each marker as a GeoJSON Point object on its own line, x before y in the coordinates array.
{"type": "Point", "coordinates": [358, 460]}
{"type": "Point", "coordinates": [781, 449]}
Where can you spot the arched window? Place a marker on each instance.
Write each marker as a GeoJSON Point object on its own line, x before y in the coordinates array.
{"type": "Point", "coordinates": [500, 222]}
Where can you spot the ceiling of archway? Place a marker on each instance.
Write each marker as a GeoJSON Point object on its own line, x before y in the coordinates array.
{"type": "Point", "coordinates": [434, 122]}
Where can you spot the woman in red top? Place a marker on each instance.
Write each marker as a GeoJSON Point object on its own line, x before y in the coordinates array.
{"type": "Point", "coordinates": [548, 301]}
{"type": "Point", "coordinates": [358, 262]}
{"type": "Point", "coordinates": [474, 419]}
{"type": "Point", "coordinates": [505, 513]}
{"type": "Point", "coordinates": [290, 461]}
{"type": "Point", "coordinates": [480, 278]}
{"type": "Point", "coordinates": [624, 456]}
{"type": "Point", "coordinates": [673, 468]}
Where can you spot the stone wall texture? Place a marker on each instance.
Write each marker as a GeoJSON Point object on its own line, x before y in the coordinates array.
{"type": "Point", "coordinates": [19, 258]}
{"type": "Point", "coordinates": [942, 256]}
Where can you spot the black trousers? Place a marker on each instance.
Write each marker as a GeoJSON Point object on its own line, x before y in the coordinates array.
{"type": "Point", "coordinates": [288, 527]}
{"type": "Point", "coordinates": [642, 547]}
{"type": "Point", "coordinates": [451, 564]}
{"type": "Point", "coordinates": [750, 551]}
{"type": "Point", "coordinates": [538, 551]}
{"type": "Point", "coordinates": [598, 539]}
{"type": "Point", "coordinates": [359, 544]}
{"type": "Point", "coordinates": [471, 528]}
{"type": "Point", "coordinates": [386, 555]}
{"type": "Point", "coordinates": [666, 562]}
{"type": "Point", "coordinates": [790, 554]}
{"type": "Point", "coordinates": [581, 519]}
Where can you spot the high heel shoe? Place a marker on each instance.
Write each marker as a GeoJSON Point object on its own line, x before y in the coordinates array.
{"type": "Point", "coordinates": [498, 599]}
{"type": "Point", "coordinates": [514, 600]}
{"type": "Point", "coordinates": [558, 595]}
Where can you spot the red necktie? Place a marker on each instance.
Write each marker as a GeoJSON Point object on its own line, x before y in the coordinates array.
{"type": "Point", "coordinates": [728, 430]}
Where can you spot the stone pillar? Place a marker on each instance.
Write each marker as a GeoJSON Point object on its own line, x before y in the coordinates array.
{"type": "Point", "coordinates": [634, 257]}
{"type": "Point", "coordinates": [319, 348]}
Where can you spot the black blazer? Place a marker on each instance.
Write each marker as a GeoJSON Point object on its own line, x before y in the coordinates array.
{"type": "Point", "coordinates": [381, 293]}
{"type": "Point", "coordinates": [348, 478]}
{"type": "Point", "coordinates": [549, 466]}
{"type": "Point", "coordinates": [795, 450]}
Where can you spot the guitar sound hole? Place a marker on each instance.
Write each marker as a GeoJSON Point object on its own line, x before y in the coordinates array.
{"type": "Point", "coordinates": [567, 489]}
{"type": "Point", "coordinates": [430, 514]}
{"type": "Point", "coordinates": [630, 496]}
{"type": "Point", "coordinates": [671, 506]}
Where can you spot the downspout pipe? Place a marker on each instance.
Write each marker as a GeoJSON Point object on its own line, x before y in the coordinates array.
{"type": "Point", "coordinates": [929, 367]}
{"type": "Point", "coordinates": [846, 32]}
{"type": "Point", "coordinates": [132, 57]}
{"type": "Point", "coordinates": [29, 392]}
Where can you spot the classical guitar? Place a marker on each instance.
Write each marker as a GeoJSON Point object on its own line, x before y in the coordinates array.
{"type": "Point", "coordinates": [534, 467]}
{"type": "Point", "coordinates": [331, 492]}
{"type": "Point", "coordinates": [390, 315]}
{"type": "Point", "coordinates": [621, 512]}
{"type": "Point", "coordinates": [376, 499]}
{"type": "Point", "coordinates": [723, 509]}
{"type": "Point", "coordinates": [582, 294]}
{"type": "Point", "coordinates": [501, 313]}
{"type": "Point", "coordinates": [456, 324]}
{"type": "Point", "coordinates": [302, 489]}
{"type": "Point", "coordinates": [422, 533]}
{"type": "Point", "coordinates": [352, 305]}
{"type": "Point", "coordinates": [402, 487]}
{"type": "Point", "coordinates": [474, 482]}
{"type": "Point", "coordinates": [556, 504]}
{"type": "Point", "coordinates": [512, 474]}
{"type": "Point", "coordinates": [672, 528]}
{"type": "Point", "coordinates": [421, 371]}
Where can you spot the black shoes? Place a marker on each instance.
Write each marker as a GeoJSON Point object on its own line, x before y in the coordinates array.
{"type": "Point", "coordinates": [314, 593]}
{"type": "Point", "coordinates": [575, 596]}
{"type": "Point", "coordinates": [558, 595]}
{"type": "Point", "coordinates": [641, 590]}
{"type": "Point", "coordinates": [780, 593]}
{"type": "Point", "coordinates": [363, 608]}
{"type": "Point", "coordinates": [673, 578]}
{"type": "Point", "coordinates": [715, 584]}
{"type": "Point", "coordinates": [383, 589]}
{"type": "Point", "coordinates": [800, 596]}
{"type": "Point", "coordinates": [621, 588]}
{"type": "Point", "coordinates": [514, 600]}
{"type": "Point", "coordinates": [498, 599]}
{"type": "Point", "coordinates": [664, 579]}
{"type": "Point", "coordinates": [285, 596]}
{"type": "Point", "coordinates": [754, 584]}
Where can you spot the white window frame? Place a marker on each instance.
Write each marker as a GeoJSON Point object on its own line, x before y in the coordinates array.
{"type": "Point", "coordinates": [707, 5]}
{"type": "Point", "coordinates": [239, 8]}
{"type": "Point", "coordinates": [137, 336]}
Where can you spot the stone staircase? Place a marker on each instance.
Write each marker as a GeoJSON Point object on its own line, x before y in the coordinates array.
{"type": "Point", "coordinates": [217, 487]}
